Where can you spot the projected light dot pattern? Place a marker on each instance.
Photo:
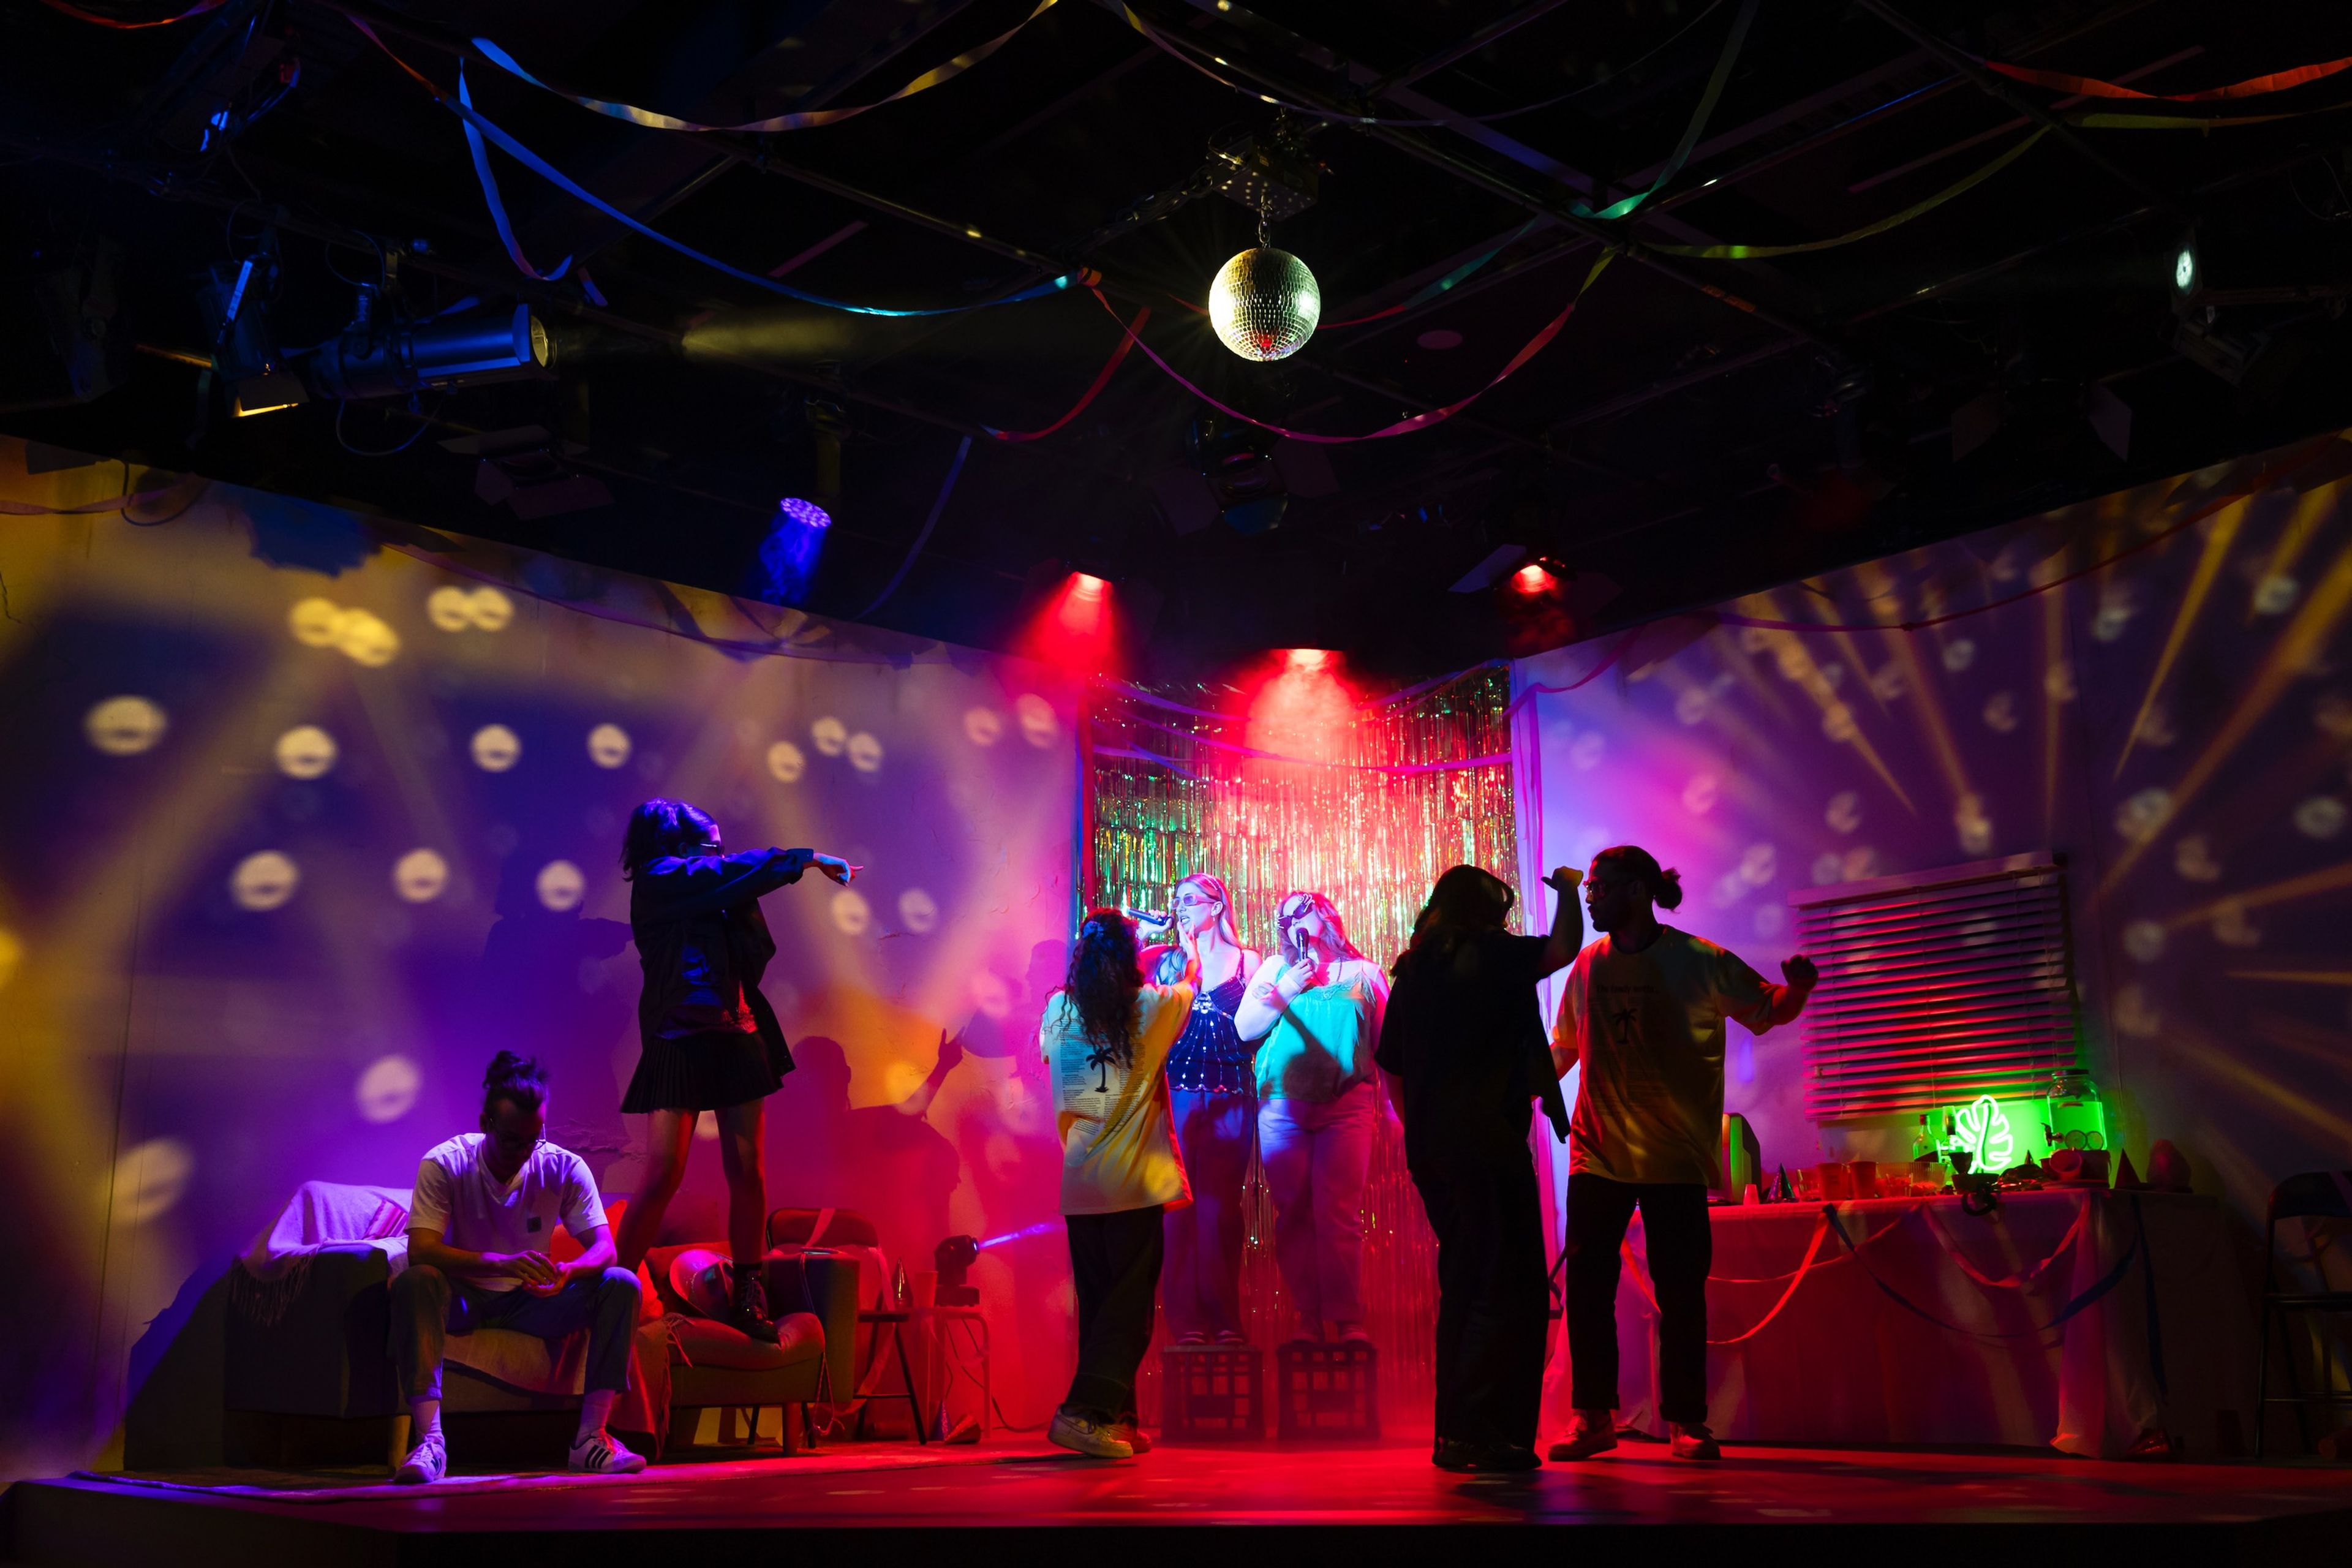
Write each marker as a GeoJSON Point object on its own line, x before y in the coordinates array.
{"type": "Point", "coordinates": [829, 736]}
{"type": "Point", "coordinates": [305, 751]}
{"type": "Point", "coordinates": [560, 886]}
{"type": "Point", "coordinates": [489, 609]}
{"type": "Point", "coordinates": [263, 881]}
{"type": "Point", "coordinates": [420, 876]}
{"type": "Point", "coordinates": [608, 745]}
{"type": "Point", "coordinates": [149, 1181]}
{"type": "Point", "coordinates": [386, 1091]}
{"type": "Point", "coordinates": [983, 726]}
{"type": "Point", "coordinates": [494, 747]}
{"type": "Point", "coordinates": [124, 726]}
{"type": "Point", "coordinates": [1958, 654]}
{"type": "Point", "coordinates": [2321, 816]}
{"type": "Point", "coordinates": [991, 996]}
{"type": "Point", "coordinates": [450, 608]}
{"type": "Point", "coordinates": [851, 915]}
{"type": "Point", "coordinates": [2144, 815]}
{"type": "Point", "coordinates": [2192, 858]}
{"type": "Point", "coordinates": [11, 953]}
{"type": "Point", "coordinates": [1700, 795]}
{"type": "Point", "coordinates": [2001, 712]}
{"type": "Point", "coordinates": [2144, 940]}
{"type": "Point", "coordinates": [1845, 813]}
{"type": "Point", "coordinates": [785, 762]}
{"type": "Point", "coordinates": [917, 911]}
{"type": "Point", "coordinates": [1038, 725]}
{"type": "Point", "coordinates": [864, 752]}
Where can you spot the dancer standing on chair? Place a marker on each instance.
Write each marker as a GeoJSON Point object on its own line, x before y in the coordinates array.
{"type": "Point", "coordinates": [1462, 1044]}
{"type": "Point", "coordinates": [1215, 1109]}
{"type": "Point", "coordinates": [1316, 1003]}
{"type": "Point", "coordinates": [710, 1040]}
{"type": "Point", "coordinates": [1643, 1014]}
{"type": "Point", "coordinates": [1105, 1039]}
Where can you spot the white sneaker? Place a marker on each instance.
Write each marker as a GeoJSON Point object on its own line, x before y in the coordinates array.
{"type": "Point", "coordinates": [601, 1453]}
{"type": "Point", "coordinates": [426, 1463]}
{"type": "Point", "coordinates": [1082, 1436]}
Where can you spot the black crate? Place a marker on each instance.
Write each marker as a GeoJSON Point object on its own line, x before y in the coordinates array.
{"type": "Point", "coordinates": [1328, 1391]}
{"type": "Point", "coordinates": [1211, 1394]}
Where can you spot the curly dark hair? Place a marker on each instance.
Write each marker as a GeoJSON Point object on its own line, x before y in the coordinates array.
{"type": "Point", "coordinates": [516, 1077]}
{"type": "Point", "coordinates": [1104, 981]}
{"type": "Point", "coordinates": [660, 827]}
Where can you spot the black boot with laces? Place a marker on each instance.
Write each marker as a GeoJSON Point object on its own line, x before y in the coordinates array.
{"type": "Point", "coordinates": [748, 1313]}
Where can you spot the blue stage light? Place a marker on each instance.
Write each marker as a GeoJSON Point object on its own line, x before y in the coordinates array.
{"type": "Point", "coordinates": [788, 556]}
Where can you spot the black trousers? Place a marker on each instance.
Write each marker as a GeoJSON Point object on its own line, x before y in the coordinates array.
{"type": "Point", "coordinates": [1492, 1310]}
{"type": "Point", "coordinates": [1681, 1246]}
{"type": "Point", "coordinates": [1115, 1260]}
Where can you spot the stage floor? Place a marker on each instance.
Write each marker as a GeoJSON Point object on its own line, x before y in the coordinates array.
{"type": "Point", "coordinates": [859, 1504]}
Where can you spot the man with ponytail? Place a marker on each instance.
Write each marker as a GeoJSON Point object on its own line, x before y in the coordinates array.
{"type": "Point", "coordinates": [486, 1210]}
{"type": "Point", "coordinates": [1643, 1015]}
{"type": "Point", "coordinates": [1105, 1040]}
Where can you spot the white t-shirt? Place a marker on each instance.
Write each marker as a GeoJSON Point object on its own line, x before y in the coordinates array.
{"type": "Point", "coordinates": [455, 1196]}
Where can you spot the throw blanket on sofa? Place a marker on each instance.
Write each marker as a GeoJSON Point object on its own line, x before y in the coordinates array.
{"type": "Point", "coordinates": [268, 1278]}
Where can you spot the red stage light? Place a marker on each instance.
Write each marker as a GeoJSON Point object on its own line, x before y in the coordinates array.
{"type": "Point", "coordinates": [1077, 628]}
{"type": "Point", "coordinates": [1532, 578]}
{"type": "Point", "coordinates": [1309, 659]}
{"type": "Point", "coordinates": [1084, 587]}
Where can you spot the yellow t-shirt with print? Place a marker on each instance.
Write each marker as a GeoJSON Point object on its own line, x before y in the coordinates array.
{"type": "Point", "coordinates": [1119, 1142]}
{"type": "Point", "coordinates": [1648, 1031]}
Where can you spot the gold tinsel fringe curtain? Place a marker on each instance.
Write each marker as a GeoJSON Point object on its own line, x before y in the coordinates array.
{"type": "Point", "coordinates": [1373, 842]}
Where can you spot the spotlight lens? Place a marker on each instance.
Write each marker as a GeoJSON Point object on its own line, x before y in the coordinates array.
{"type": "Point", "coordinates": [1264, 304]}
{"type": "Point", "coordinates": [805, 512]}
{"type": "Point", "coordinates": [1531, 578]}
{"type": "Point", "coordinates": [1310, 657]}
{"type": "Point", "coordinates": [2184, 269]}
{"type": "Point", "coordinates": [1086, 586]}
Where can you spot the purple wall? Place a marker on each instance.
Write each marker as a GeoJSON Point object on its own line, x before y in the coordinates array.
{"type": "Point", "coordinates": [297, 827]}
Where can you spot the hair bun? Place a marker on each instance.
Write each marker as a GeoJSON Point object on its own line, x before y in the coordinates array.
{"type": "Point", "coordinates": [1670, 888]}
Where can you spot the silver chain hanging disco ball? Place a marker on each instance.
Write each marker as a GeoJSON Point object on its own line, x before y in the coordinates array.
{"type": "Point", "coordinates": [1264, 304]}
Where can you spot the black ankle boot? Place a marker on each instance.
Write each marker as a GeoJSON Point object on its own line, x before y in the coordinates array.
{"type": "Point", "coordinates": [749, 1311]}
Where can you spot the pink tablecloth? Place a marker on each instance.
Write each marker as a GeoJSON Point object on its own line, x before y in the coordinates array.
{"type": "Point", "coordinates": [1845, 1361]}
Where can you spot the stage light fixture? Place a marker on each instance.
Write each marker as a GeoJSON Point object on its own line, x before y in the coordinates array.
{"type": "Point", "coordinates": [1309, 661]}
{"type": "Point", "coordinates": [392, 359]}
{"type": "Point", "coordinates": [1264, 304]}
{"type": "Point", "coordinates": [2188, 277]}
{"type": "Point", "coordinates": [1532, 578]}
{"type": "Point", "coordinates": [788, 555]}
{"type": "Point", "coordinates": [1238, 459]}
{"type": "Point", "coordinates": [246, 356]}
{"type": "Point", "coordinates": [953, 1258]}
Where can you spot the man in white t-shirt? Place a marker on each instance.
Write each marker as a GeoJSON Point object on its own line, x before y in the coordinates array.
{"type": "Point", "coordinates": [486, 1210]}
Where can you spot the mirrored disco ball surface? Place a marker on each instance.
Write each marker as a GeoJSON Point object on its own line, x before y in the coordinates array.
{"type": "Point", "coordinates": [1264, 304]}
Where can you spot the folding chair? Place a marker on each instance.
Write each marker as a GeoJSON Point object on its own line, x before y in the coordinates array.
{"type": "Point", "coordinates": [2315, 1194]}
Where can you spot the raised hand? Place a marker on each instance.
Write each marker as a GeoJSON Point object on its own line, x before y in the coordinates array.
{"type": "Point", "coordinates": [1564, 880]}
{"type": "Point", "coordinates": [950, 1053]}
{"type": "Point", "coordinates": [1801, 972]}
{"type": "Point", "coordinates": [839, 870]}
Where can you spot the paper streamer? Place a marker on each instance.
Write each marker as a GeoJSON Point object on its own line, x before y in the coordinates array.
{"type": "Point", "coordinates": [570, 187]}
{"type": "Point", "coordinates": [1691, 132]}
{"type": "Point", "coordinates": [79, 14]}
{"type": "Point", "coordinates": [1442, 285]}
{"type": "Point", "coordinates": [1102, 379]}
{"type": "Point", "coordinates": [938, 505]}
{"type": "Point", "coordinates": [1404, 426]}
{"type": "Point", "coordinates": [1896, 220]}
{"type": "Point", "coordinates": [2092, 87]}
{"type": "Point", "coordinates": [802, 122]}
{"type": "Point", "coordinates": [489, 184]}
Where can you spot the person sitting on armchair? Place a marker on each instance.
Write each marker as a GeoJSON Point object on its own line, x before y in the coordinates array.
{"type": "Point", "coordinates": [486, 1206]}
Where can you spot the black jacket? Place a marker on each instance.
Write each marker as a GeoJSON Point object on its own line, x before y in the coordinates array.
{"type": "Point", "coordinates": [1463, 1036]}
{"type": "Point", "coordinates": [704, 943]}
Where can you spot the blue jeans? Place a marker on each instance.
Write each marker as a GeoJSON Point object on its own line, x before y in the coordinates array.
{"type": "Point", "coordinates": [427, 1307]}
{"type": "Point", "coordinates": [1202, 1288]}
{"type": "Point", "coordinates": [1317, 1155]}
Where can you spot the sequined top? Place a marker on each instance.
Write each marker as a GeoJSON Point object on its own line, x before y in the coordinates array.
{"type": "Point", "coordinates": [1209, 1056]}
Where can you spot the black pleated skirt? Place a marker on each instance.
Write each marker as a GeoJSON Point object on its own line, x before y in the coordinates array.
{"type": "Point", "coordinates": [702, 1072]}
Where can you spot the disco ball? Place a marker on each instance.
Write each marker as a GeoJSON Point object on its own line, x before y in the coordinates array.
{"type": "Point", "coordinates": [1264, 304]}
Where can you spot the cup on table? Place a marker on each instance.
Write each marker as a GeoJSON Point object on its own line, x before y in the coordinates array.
{"type": "Point", "coordinates": [1808, 1183]}
{"type": "Point", "coordinates": [922, 1286]}
{"type": "Point", "coordinates": [1836, 1180]}
{"type": "Point", "coordinates": [1863, 1173]}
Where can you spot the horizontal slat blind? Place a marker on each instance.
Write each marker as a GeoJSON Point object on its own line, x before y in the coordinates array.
{"type": "Point", "coordinates": [1936, 989]}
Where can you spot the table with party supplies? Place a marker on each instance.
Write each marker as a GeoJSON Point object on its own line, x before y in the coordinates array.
{"type": "Point", "coordinates": [2099, 1322]}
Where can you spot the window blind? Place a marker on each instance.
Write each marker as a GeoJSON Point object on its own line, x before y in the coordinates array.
{"type": "Point", "coordinates": [1936, 987]}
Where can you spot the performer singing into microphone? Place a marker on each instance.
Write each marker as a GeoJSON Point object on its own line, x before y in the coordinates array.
{"type": "Point", "coordinates": [1215, 1110]}
{"type": "Point", "coordinates": [1316, 1004]}
{"type": "Point", "coordinates": [710, 1041]}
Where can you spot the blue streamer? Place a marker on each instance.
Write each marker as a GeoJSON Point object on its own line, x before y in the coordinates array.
{"type": "Point", "coordinates": [938, 505]}
{"type": "Point", "coordinates": [491, 194]}
{"type": "Point", "coordinates": [573, 188]}
{"type": "Point", "coordinates": [2114, 1278]}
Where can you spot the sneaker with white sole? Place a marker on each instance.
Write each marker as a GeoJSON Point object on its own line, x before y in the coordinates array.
{"type": "Point", "coordinates": [1084, 1435]}
{"type": "Point", "coordinates": [426, 1463]}
{"type": "Point", "coordinates": [600, 1454]}
{"type": "Point", "coordinates": [1130, 1433]}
